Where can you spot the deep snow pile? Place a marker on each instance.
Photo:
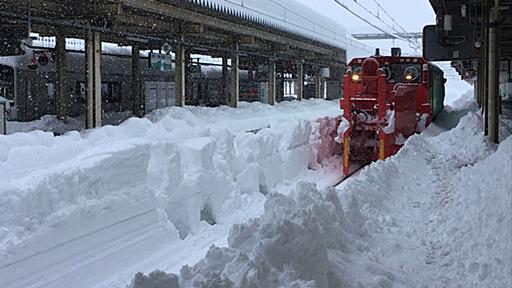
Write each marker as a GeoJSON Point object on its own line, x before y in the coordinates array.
{"type": "Point", "coordinates": [187, 165]}
{"type": "Point", "coordinates": [438, 214]}
{"type": "Point", "coordinates": [286, 247]}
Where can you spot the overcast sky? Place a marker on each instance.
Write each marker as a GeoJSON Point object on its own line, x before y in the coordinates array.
{"type": "Point", "coordinates": [410, 14]}
{"type": "Point", "coordinates": [413, 15]}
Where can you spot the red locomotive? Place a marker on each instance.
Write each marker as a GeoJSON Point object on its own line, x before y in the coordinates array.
{"type": "Point", "coordinates": [386, 100]}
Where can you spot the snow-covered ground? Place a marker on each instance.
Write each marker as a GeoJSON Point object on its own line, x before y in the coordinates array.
{"type": "Point", "coordinates": [50, 123]}
{"type": "Point", "coordinates": [92, 209]}
{"type": "Point", "coordinates": [438, 214]}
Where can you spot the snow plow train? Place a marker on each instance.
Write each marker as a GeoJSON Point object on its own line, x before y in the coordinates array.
{"type": "Point", "coordinates": [386, 100]}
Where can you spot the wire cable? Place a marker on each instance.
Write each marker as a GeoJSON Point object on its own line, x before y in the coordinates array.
{"type": "Point", "coordinates": [394, 21]}
{"type": "Point", "coordinates": [413, 43]}
{"type": "Point", "coordinates": [371, 24]}
{"type": "Point", "coordinates": [381, 20]}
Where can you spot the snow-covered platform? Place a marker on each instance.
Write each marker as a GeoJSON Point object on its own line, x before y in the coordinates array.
{"type": "Point", "coordinates": [438, 214]}
{"type": "Point", "coordinates": [93, 209]}
{"type": "Point", "coordinates": [90, 209]}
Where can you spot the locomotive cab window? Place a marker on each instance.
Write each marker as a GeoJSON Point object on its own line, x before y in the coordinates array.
{"type": "Point", "coordinates": [405, 73]}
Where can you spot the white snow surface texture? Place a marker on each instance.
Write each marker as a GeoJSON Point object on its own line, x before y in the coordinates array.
{"type": "Point", "coordinates": [438, 214]}
{"type": "Point", "coordinates": [81, 209]}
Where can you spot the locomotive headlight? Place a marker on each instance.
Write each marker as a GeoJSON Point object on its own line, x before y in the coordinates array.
{"type": "Point", "coordinates": [411, 73]}
{"type": "Point", "coordinates": [356, 74]}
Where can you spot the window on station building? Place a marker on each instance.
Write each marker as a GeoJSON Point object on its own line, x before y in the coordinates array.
{"type": "Point", "coordinates": [110, 91]}
{"type": "Point", "coordinates": [6, 82]}
{"type": "Point", "coordinates": [51, 89]}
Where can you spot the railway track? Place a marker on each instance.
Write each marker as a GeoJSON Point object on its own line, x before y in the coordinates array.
{"type": "Point", "coordinates": [351, 174]}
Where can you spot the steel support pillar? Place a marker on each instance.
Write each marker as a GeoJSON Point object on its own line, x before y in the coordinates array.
{"type": "Point", "coordinates": [299, 85]}
{"type": "Point", "coordinates": [485, 74]}
{"type": "Point", "coordinates": [319, 92]}
{"type": "Point", "coordinates": [93, 76]}
{"type": "Point", "coordinates": [478, 86]}
{"type": "Point", "coordinates": [493, 58]}
{"type": "Point", "coordinates": [280, 84]}
{"type": "Point", "coordinates": [60, 63]}
{"type": "Point", "coordinates": [138, 106]}
{"type": "Point", "coordinates": [272, 83]}
{"type": "Point", "coordinates": [179, 76]}
{"type": "Point", "coordinates": [224, 85]}
{"type": "Point", "coordinates": [235, 78]}
{"type": "Point", "coordinates": [192, 92]}
{"type": "Point", "coordinates": [322, 88]}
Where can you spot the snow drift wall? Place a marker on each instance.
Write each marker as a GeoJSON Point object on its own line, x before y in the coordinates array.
{"type": "Point", "coordinates": [426, 217]}
{"type": "Point", "coordinates": [182, 164]}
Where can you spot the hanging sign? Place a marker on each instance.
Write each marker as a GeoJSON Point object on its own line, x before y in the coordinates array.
{"type": "Point", "coordinates": [160, 61]}
{"type": "Point", "coordinates": [166, 48]}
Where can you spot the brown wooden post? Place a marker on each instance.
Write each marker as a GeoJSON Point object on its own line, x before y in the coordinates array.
{"type": "Point", "coordinates": [180, 76]}
{"type": "Point", "coordinates": [235, 78]}
{"type": "Point", "coordinates": [93, 76]}
{"type": "Point", "coordinates": [60, 63]}
{"type": "Point", "coordinates": [493, 58]}
{"type": "Point", "coordinates": [272, 83]}
{"type": "Point", "coordinates": [138, 106]}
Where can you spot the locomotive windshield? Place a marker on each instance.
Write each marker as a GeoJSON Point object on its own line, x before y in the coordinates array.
{"type": "Point", "coordinates": [397, 72]}
{"type": "Point", "coordinates": [403, 73]}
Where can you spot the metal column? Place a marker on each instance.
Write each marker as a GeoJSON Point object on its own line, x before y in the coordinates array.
{"type": "Point", "coordinates": [485, 72]}
{"type": "Point", "coordinates": [493, 58]}
{"type": "Point", "coordinates": [318, 87]}
{"type": "Point", "coordinates": [299, 85]}
{"type": "Point", "coordinates": [93, 76]}
{"type": "Point", "coordinates": [235, 76]}
{"type": "Point", "coordinates": [180, 76]}
{"type": "Point", "coordinates": [272, 83]}
{"type": "Point", "coordinates": [224, 87]}
{"type": "Point", "coordinates": [60, 63]}
{"type": "Point", "coordinates": [138, 106]}
{"type": "Point", "coordinates": [478, 90]}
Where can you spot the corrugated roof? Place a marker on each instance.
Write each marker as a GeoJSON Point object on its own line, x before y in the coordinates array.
{"type": "Point", "coordinates": [289, 16]}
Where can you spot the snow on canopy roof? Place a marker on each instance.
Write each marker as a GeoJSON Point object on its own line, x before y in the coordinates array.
{"type": "Point", "coordinates": [289, 16]}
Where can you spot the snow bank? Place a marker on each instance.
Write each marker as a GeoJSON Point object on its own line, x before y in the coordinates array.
{"type": "Point", "coordinates": [447, 196]}
{"type": "Point", "coordinates": [50, 123]}
{"type": "Point", "coordinates": [437, 214]}
{"type": "Point", "coordinates": [288, 246]}
{"type": "Point", "coordinates": [191, 164]}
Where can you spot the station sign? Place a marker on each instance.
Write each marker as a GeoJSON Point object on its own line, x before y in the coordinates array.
{"type": "Point", "coordinates": [441, 45]}
{"type": "Point", "coordinates": [159, 61]}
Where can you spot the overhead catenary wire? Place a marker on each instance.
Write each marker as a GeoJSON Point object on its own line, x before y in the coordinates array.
{"type": "Point", "coordinates": [394, 21]}
{"type": "Point", "coordinates": [396, 34]}
{"type": "Point", "coordinates": [363, 19]}
{"type": "Point", "coordinates": [413, 43]}
{"type": "Point", "coordinates": [360, 17]}
{"type": "Point", "coordinates": [350, 41]}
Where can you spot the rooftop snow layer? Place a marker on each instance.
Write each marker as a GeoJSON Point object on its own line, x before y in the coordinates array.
{"type": "Point", "coordinates": [289, 16]}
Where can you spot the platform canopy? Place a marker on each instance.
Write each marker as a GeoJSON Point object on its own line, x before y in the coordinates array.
{"type": "Point", "coordinates": [268, 28]}
{"type": "Point", "coordinates": [473, 11]}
